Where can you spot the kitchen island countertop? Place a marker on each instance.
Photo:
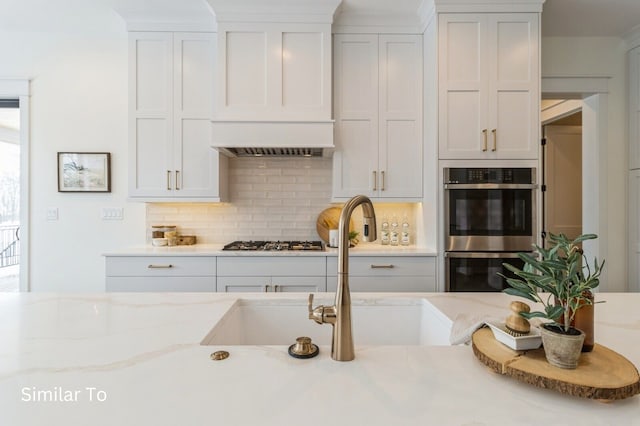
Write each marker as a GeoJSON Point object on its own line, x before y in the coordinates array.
{"type": "Point", "coordinates": [135, 359]}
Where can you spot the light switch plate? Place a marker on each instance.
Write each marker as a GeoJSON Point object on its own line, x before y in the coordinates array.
{"type": "Point", "coordinates": [52, 213]}
{"type": "Point", "coordinates": [110, 213]}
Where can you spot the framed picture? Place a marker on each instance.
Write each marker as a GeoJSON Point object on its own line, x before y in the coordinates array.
{"type": "Point", "coordinates": [84, 172]}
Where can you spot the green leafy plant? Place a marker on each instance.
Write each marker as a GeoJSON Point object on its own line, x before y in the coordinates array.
{"type": "Point", "coordinates": [560, 274]}
{"type": "Point", "coordinates": [353, 237]}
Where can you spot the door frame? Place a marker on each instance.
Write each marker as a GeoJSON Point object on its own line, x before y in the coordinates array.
{"type": "Point", "coordinates": [19, 89]}
{"type": "Point", "coordinates": [593, 93]}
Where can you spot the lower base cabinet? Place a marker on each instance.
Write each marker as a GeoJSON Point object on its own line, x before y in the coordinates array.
{"type": "Point", "coordinates": [272, 274]}
{"type": "Point", "coordinates": [271, 284]}
{"type": "Point", "coordinates": [161, 273]}
{"type": "Point", "coordinates": [161, 284]}
{"type": "Point", "coordinates": [410, 274]}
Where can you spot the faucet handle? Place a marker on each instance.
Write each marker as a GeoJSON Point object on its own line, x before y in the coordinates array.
{"type": "Point", "coordinates": [321, 314]}
{"type": "Point", "coordinates": [316, 314]}
{"type": "Point", "coordinates": [310, 305]}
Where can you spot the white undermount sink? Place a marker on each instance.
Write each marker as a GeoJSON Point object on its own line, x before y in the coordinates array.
{"type": "Point", "coordinates": [376, 322]}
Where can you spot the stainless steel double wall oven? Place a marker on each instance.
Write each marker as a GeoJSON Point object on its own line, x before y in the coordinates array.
{"type": "Point", "coordinates": [490, 216]}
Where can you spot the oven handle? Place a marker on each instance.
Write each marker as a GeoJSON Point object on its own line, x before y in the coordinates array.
{"type": "Point", "coordinates": [481, 255]}
{"type": "Point", "coordinates": [490, 186]}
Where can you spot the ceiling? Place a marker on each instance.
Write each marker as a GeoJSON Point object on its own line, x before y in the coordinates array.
{"type": "Point", "coordinates": [563, 18]}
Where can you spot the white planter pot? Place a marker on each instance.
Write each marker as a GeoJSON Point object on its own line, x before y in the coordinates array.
{"type": "Point", "coordinates": [562, 350]}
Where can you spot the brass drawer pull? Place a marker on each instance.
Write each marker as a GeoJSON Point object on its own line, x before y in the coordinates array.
{"type": "Point", "coordinates": [375, 179]}
{"type": "Point", "coordinates": [382, 173]}
{"type": "Point", "coordinates": [484, 140]}
{"type": "Point", "coordinates": [160, 266]}
{"type": "Point", "coordinates": [177, 180]}
{"type": "Point", "coordinates": [168, 180]}
{"type": "Point", "coordinates": [495, 137]}
{"type": "Point", "coordinates": [390, 266]}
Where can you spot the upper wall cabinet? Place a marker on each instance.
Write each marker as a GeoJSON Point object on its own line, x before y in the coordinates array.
{"type": "Point", "coordinates": [170, 108]}
{"type": "Point", "coordinates": [378, 116]}
{"type": "Point", "coordinates": [274, 71]}
{"type": "Point", "coordinates": [634, 108]}
{"type": "Point", "coordinates": [489, 94]}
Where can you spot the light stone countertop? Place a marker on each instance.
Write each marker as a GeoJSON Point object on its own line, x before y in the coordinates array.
{"type": "Point", "coordinates": [141, 353]}
{"type": "Point", "coordinates": [362, 249]}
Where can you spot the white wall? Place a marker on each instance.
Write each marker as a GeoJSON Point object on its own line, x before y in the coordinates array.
{"type": "Point", "coordinates": [78, 103]}
{"type": "Point", "coordinates": [602, 57]}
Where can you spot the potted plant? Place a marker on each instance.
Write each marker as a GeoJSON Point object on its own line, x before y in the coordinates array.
{"type": "Point", "coordinates": [560, 279]}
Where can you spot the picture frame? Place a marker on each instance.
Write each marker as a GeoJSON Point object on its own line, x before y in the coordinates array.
{"type": "Point", "coordinates": [84, 172]}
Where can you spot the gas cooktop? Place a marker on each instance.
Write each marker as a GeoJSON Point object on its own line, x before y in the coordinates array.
{"type": "Point", "coordinates": [274, 246]}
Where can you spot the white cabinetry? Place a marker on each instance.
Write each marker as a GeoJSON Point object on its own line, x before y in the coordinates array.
{"type": "Point", "coordinates": [634, 108]}
{"type": "Point", "coordinates": [271, 274]}
{"type": "Point", "coordinates": [634, 230]}
{"type": "Point", "coordinates": [274, 71]}
{"type": "Point", "coordinates": [274, 79]}
{"type": "Point", "coordinates": [378, 116]}
{"type": "Point", "coordinates": [386, 273]}
{"type": "Point", "coordinates": [489, 94]}
{"type": "Point", "coordinates": [160, 273]}
{"type": "Point", "coordinates": [170, 109]}
{"type": "Point", "coordinates": [634, 170]}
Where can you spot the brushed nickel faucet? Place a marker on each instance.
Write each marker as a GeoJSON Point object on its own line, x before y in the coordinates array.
{"type": "Point", "coordinates": [339, 315]}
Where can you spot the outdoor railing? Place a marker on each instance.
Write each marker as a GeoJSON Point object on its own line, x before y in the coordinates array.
{"type": "Point", "coordinates": [9, 245]}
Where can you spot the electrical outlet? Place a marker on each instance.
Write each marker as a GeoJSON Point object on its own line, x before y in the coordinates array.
{"type": "Point", "coordinates": [52, 213]}
{"type": "Point", "coordinates": [109, 213]}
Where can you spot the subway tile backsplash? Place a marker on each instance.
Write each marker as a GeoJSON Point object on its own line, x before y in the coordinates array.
{"type": "Point", "coordinates": [270, 199]}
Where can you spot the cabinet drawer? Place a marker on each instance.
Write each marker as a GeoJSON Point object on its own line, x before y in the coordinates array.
{"type": "Point", "coordinates": [299, 284]}
{"type": "Point", "coordinates": [385, 266]}
{"type": "Point", "coordinates": [160, 284]}
{"type": "Point", "coordinates": [378, 284]}
{"type": "Point", "coordinates": [160, 266]}
{"type": "Point", "coordinates": [271, 284]}
{"type": "Point", "coordinates": [271, 266]}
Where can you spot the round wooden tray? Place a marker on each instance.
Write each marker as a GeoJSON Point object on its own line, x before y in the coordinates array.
{"type": "Point", "coordinates": [329, 219]}
{"type": "Point", "coordinates": [601, 374]}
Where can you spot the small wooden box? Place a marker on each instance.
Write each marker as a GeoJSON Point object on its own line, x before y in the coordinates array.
{"type": "Point", "coordinates": [186, 240]}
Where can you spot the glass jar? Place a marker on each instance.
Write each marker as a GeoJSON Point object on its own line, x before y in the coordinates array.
{"type": "Point", "coordinates": [158, 231]}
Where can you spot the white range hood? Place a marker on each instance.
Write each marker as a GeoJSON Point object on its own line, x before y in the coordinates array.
{"type": "Point", "coordinates": [273, 84]}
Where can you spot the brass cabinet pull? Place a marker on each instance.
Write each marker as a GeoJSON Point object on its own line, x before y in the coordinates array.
{"type": "Point", "coordinates": [160, 266]}
{"type": "Point", "coordinates": [266, 288]}
{"type": "Point", "coordinates": [275, 288]}
{"type": "Point", "coordinates": [390, 266]}
{"type": "Point", "coordinates": [382, 173]}
{"type": "Point", "coordinates": [168, 180]}
{"type": "Point", "coordinates": [375, 180]}
{"type": "Point", "coordinates": [177, 180]}
{"type": "Point", "coordinates": [495, 137]}
{"type": "Point", "coordinates": [484, 140]}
